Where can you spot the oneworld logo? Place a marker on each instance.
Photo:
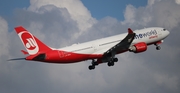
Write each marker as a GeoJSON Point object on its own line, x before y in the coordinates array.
{"type": "Point", "coordinates": [29, 42]}
{"type": "Point", "coordinates": [147, 34]}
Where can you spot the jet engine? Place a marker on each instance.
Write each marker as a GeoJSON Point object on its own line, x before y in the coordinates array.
{"type": "Point", "coordinates": [138, 48]}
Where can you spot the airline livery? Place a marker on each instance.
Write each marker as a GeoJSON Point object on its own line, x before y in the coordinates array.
{"type": "Point", "coordinates": [99, 51]}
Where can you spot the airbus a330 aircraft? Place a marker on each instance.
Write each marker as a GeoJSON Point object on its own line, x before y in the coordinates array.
{"type": "Point", "coordinates": [99, 51]}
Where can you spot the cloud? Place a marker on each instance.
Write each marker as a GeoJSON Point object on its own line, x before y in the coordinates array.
{"type": "Point", "coordinates": [3, 35]}
{"type": "Point", "coordinates": [129, 14]}
{"type": "Point", "coordinates": [151, 2]}
{"type": "Point", "coordinates": [77, 10]}
{"type": "Point", "coordinates": [58, 24]}
{"type": "Point", "coordinates": [177, 1]}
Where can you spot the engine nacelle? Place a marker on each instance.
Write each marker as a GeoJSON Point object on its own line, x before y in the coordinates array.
{"type": "Point", "coordinates": [138, 48]}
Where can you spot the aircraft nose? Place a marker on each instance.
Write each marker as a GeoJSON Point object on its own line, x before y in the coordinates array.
{"type": "Point", "coordinates": [167, 33]}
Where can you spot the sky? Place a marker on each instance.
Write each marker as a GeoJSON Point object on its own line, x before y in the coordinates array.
{"type": "Point", "coordinates": [114, 8]}
{"type": "Point", "coordinates": [59, 23]}
{"type": "Point", "coordinates": [99, 9]}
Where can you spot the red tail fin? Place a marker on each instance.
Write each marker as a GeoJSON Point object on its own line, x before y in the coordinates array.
{"type": "Point", "coordinates": [30, 42]}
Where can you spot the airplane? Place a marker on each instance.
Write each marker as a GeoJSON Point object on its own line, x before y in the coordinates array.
{"type": "Point", "coordinates": [99, 51]}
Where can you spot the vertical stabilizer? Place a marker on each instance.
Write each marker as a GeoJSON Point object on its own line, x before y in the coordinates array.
{"type": "Point", "coordinates": [30, 42]}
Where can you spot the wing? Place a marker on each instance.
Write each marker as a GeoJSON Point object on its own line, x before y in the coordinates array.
{"type": "Point", "coordinates": [121, 46]}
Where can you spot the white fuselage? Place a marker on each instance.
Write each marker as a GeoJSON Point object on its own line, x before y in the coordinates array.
{"type": "Point", "coordinates": [147, 35]}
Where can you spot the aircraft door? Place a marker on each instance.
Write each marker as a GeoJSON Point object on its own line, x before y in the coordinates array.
{"type": "Point", "coordinates": [95, 47]}
{"type": "Point", "coordinates": [61, 54]}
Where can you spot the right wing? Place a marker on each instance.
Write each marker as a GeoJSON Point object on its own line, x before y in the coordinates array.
{"type": "Point", "coordinates": [121, 46]}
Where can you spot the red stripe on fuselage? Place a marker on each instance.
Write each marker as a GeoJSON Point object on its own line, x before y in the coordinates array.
{"type": "Point", "coordinates": [57, 56]}
{"type": "Point", "coordinates": [70, 57]}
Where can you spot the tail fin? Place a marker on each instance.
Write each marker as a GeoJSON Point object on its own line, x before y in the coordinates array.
{"type": "Point", "coordinates": [30, 42]}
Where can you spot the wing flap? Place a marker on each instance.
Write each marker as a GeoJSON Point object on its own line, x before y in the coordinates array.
{"type": "Point", "coordinates": [121, 46]}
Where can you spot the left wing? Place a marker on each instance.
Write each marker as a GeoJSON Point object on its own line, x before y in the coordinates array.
{"type": "Point", "coordinates": [121, 46]}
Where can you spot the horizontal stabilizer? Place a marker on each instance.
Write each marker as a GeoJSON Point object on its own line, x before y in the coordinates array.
{"type": "Point", "coordinates": [24, 52]}
{"type": "Point", "coordinates": [16, 59]}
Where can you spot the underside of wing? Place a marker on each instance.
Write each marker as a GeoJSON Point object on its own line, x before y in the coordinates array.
{"type": "Point", "coordinates": [121, 46]}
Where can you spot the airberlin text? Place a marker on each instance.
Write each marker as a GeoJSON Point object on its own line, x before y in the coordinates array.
{"type": "Point", "coordinates": [151, 34]}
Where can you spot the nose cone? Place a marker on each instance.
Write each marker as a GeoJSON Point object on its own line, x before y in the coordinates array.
{"type": "Point", "coordinates": [167, 33]}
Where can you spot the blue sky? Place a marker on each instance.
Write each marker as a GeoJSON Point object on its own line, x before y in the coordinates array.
{"type": "Point", "coordinates": [98, 8]}
{"type": "Point", "coordinates": [7, 6]}
{"type": "Point", "coordinates": [113, 8]}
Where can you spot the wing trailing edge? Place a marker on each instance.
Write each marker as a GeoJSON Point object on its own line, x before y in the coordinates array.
{"type": "Point", "coordinates": [121, 46]}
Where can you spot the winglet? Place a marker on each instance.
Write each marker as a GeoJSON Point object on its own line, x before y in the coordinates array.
{"type": "Point", "coordinates": [130, 31]}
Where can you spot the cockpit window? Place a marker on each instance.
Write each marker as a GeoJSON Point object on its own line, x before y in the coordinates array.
{"type": "Point", "coordinates": [164, 29]}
